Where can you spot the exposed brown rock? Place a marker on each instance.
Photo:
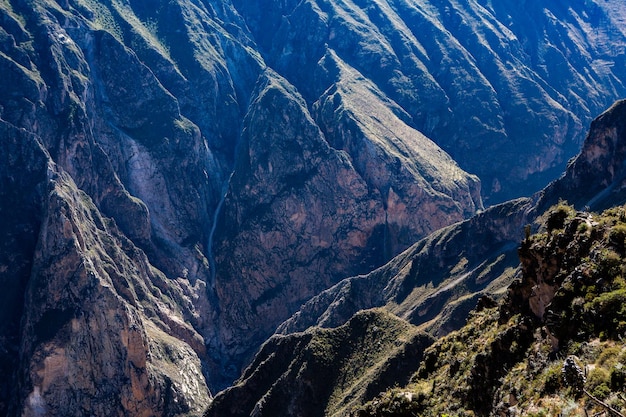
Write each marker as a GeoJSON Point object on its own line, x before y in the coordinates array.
{"type": "Point", "coordinates": [596, 178]}
{"type": "Point", "coordinates": [84, 336]}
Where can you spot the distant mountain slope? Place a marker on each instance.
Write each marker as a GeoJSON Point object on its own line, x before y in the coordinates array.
{"type": "Point", "coordinates": [355, 361]}
{"type": "Point", "coordinates": [436, 275]}
{"type": "Point", "coordinates": [435, 283]}
{"type": "Point", "coordinates": [507, 88]}
{"type": "Point", "coordinates": [507, 95]}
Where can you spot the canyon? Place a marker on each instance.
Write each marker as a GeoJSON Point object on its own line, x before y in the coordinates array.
{"type": "Point", "coordinates": [177, 179]}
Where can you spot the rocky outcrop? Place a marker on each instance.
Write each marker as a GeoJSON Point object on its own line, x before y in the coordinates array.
{"type": "Point", "coordinates": [596, 178]}
{"type": "Point", "coordinates": [325, 372]}
{"type": "Point", "coordinates": [527, 354]}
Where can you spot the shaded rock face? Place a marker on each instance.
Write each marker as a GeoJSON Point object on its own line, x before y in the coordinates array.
{"type": "Point", "coordinates": [496, 85]}
{"type": "Point", "coordinates": [176, 179]}
{"type": "Point", "coordinates": [22, 202]}
{"type": "Point", "coordinates": [596, 178]}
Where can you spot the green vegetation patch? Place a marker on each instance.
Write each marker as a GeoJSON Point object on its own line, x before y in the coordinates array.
{"type": "Point", "coordinates": [553, 346]}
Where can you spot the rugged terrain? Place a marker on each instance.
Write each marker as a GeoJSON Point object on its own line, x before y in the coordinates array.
{"type": "Point", "coordinates": [434, 277]}
{"type": "Point", "coordinates": [177, 178]}
{"type": "Point", "coordinates": [355, 361]}
{"type": "Point", "coordinates": [554, 345]}
{"type": "Point", "coordinates": [561, 293]}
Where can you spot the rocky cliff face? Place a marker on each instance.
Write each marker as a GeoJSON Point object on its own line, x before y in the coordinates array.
{"type": "Point", "coordinates": [94, 327]}
{"type": "Point", "coordinates": [287, 231]}
{"type": "Point", "coordinates": [562, 289]}
{"type": "Point", "coordinates": [110, 338]}
{"type": "Point", "coordinates": [596, 177]}
{"type": "Point", "coordinates": [176, 179]}
{"type": "Point", "coordinates": [495, 85]}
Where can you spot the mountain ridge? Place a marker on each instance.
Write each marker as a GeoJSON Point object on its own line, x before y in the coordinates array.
{"type": "Point", "coordinates": [461, 373]}
{"type": "Point", "coordinates": [150, 128]}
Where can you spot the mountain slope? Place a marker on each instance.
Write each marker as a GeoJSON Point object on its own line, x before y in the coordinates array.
{"type": "Point", "coordinates": [428, 278]}
{"type": "Point", "coordinates": [527, 355]}
{"type": "Point", "coordinates": [152, 111]}
{"type": "Point", "coordinates": [488, 90]}
{"type": "Point", "coordinates": [435, 283]}
{"type": "Point", "coordinates": [479, 254]}
{"type": "Point", "coordinates": [298, 208]}
{"type": "Point", "coordinates": [496, 84]}
{"type": "Point", "coordinates": [180, 162]}
{"type": "Point", "coordinates": [356, 360]}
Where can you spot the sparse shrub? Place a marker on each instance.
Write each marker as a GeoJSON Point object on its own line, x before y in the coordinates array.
{"type": "Point", "coordinates": [598, 382]}
{"type": "Point", "coordinates": [618, 213]}
{"type": "Point", "coordinates": [558, 215]}
{"type": "Point", "coordinates": [609, 264]}
{"type": "Point", "coordinates": [590, 292]}
{"type": "Point", "coordinates": [552, 380]}
{"type": "Point", "coordinates": [610, 309]}
{"type": "Point", "coordinates": [608, 356]}
{"type": "Point", "coordinates": [392, 403]}
{"type": "Point", "coordinates": [617, 237]}
{"type": "Point", "coordinates": [602, 391]}
{"type": "Point", "coordinates": [618, 378]}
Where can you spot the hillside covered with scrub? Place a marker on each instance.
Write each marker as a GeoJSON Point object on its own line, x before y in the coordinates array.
{"type": "Point", "coordinates": [552, 347]}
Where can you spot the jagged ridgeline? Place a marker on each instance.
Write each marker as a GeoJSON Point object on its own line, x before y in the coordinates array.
{"type": "Point", "coordinates": [177, 177]}
{"type": "Point", "coordinates": [560, 309]}
{"type": "Point", "coordinates": [553, 346]}
{"type": "Point", "coordinates": [326, 371]}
